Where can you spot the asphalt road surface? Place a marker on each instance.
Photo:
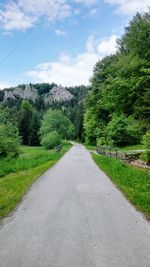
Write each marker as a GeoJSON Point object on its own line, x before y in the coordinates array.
{"type": "Point", "coordinates": [73, 216]}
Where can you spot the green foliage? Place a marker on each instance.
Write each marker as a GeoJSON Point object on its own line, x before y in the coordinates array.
{"type": "Point", "coordinates": [29, 124]}
{"type": "Point", "coordinates": [146, 140]}
{"type": "Point", "coordinates": [9, 137]}
{"type": "Point", "coordinates": [134, 182]}
{"type": "Point", "coordinates": [43, 88]}
{"type": "Point", "coordinates": [145, 156]}
{"type": "Point", "coordinates": [29, 157]}
{"type": "Point", "coordinates": [123, 131]}
{"type": "Point", "coordinates": [50, 140]}
{"type": "Point", "coordinates": [55, 120]}
{"type": "Point", "coordinates": [90, 124]}
{"type": "Point", "coordinates": [34, 126]}
{"type": "Point", "coordinates": [9, 140]}
{"type": "Point", "coordinates": [73, 109]}
{"type": "Point", "coordinates": [120, 85]}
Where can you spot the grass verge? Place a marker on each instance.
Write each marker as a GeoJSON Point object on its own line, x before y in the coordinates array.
{"type": "Point", "coordinates": [133, 147]}
{"type": "Point", "coordinates": [90, 147]}
{"type": "Point", "coordinates": [15, 184]}
{"type": "Point", "coordinates": [133, 182]}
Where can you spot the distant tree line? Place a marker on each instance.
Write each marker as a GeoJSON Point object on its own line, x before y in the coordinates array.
{"type": "Point", "coordinates": [28, 123]}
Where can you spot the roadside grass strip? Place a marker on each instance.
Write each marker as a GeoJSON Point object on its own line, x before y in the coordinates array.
{"type": "Point", "coordinates": [18, 180]}
{"type": "Point", "coordinates": [132, 181]}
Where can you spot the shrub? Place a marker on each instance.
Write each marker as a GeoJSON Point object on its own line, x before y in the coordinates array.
{"type": "Point", "coordinates": [9, 140]}
{"type": "Point", "coordinates": [146, 140]}
{"type": "Point", "coordinates": [51, 140]}
{"type": "Point", "coordinates": [145, 156]}
{"type": "Point", "coordinates": [123, 130]}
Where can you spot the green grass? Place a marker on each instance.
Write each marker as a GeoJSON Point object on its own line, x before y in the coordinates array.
{"type": "Point", "coordinates": [134, 182]}
{"type": "Point", "coordinates": [89, 147]}
{"type": "Point", "coordinates": [133, 147]}
{"type": "Point", "coordinates": [31, 164]}
{"type": "Point", "coordinates": [125, 148]}
{"type": "Point", "coordinates": [30, 157]}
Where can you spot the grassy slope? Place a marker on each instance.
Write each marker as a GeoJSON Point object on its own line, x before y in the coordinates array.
{"type": "Point", "coordinates": [31, 164]}
{"type": "Point", "coordinates": [133, 147]}
{"type": "Point", "coordinates": [126, 148]}
{"type": "Point", "coordinates": [133, 182]}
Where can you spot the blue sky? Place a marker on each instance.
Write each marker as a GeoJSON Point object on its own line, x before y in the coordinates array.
{"type": "Point", "coordinates": [59, 40]}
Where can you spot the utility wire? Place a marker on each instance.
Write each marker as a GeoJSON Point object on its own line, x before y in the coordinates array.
{"type": "Point", "coordinates": [15, 47]}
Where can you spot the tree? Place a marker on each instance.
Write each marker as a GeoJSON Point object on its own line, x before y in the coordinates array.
{"type": "Point", "coordinates": [50, 140]}
{"type": "Point", "coordinates": [29, 124]}
{"type": "Point", "coordinates": [123, 130]}
{"type": "Point", "coordinates": [34, 126]}
{"type": "Point", "coordinates": [55, 120]}
{"type": "Point", "coordinates": [120, 85]}
{"type": "Point", "coordinates": [9, 140]}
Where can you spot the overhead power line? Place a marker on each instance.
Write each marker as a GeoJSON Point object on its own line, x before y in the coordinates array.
{"type": "Point", "coordinates": [11, 51]}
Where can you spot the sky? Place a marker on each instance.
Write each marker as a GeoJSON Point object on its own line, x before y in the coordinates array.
{"type": "Point", "coordinates": [59, 40]}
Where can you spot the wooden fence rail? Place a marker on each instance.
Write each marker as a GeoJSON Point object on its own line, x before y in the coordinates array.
{"type": "Point", "coordinates": [107, 151]}
{"type": "Point", "coordinates": [58, 148]}
{"type": "Point", "coordinates": [115, 153]}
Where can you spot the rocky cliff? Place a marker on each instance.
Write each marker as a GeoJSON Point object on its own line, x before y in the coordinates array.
{"type": "Point", "coordinates": [28, 93]}
{"type": "Point", "coordinates": [56, 94]}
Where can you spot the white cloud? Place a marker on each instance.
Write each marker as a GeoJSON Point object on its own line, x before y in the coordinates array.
{"type": "Point", "coordinates": [13, 18]}
{"type": "Point", "coordinates": [129, 7]}
{"type": "Point", "coordinates": [4, 85]}
{"type": "Point", "coordinates": [70, 71]}
{"type": "Point", "coordinates": [108, 45]}
{"type": "Point", "coordinates": [23, 14]}
{"type": "Point", "coordinates": [52, 9]}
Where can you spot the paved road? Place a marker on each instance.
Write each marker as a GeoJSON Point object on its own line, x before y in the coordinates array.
{"type": "Point", "coordinates": [73, 216]}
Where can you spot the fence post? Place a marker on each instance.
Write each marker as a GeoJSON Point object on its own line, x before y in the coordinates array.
{"type": "Point", "coordinates": [110, 151]}
{"type": "Point", "coordinates": [116, 153]}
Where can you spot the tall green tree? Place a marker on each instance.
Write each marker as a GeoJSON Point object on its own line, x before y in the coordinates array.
{"type": "Point", "coordinates": [9, 137]}
{"type": "Point", "coordinates": [29, 124]}
{"type": "Point", "coordinates": [55, 120]}
{"type": "Point", "coordinates": [121, 85]}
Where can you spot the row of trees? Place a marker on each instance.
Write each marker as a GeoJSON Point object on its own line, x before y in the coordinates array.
{"type": "Point", "coordinates": [28, 127]}
{"type": "Point", "coordinates": [118, 107]}
{"type": "Point", "coordinates": [73, 109]}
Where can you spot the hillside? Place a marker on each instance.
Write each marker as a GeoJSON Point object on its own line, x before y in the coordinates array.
{"type": "Point", "coordinates": [43, 96]}
{"type": "Point", "coordinates": [32, 93]}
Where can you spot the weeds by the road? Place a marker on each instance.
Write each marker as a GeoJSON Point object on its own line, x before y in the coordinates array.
{"type": "Point", "coordinates": [22, 172]}
{"type": "Point", "coordinates": [30, 157]}
{"type": "Point", "coordinates": [134, 182]}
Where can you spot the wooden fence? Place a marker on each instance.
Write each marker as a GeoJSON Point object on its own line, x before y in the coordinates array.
{"type": "Point", "coordinates": [58, 148]}
{"type": "Point", "coordinates": [115, 153]}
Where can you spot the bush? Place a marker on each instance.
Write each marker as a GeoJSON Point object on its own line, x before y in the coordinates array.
{"type": "Point", "coordinates": [146, 140]}
{"type": "Point", "coordinates": [123, 130]}
{"type": "Point", "coordinates": [145, 156]}
{"type": "Point", "coordinates": [51, 140]}
{"type": "Point", "coordinates": [9, 140]}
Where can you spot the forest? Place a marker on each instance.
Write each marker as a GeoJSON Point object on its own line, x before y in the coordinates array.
{"type": "Point", "coordinates": [118, 106]}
